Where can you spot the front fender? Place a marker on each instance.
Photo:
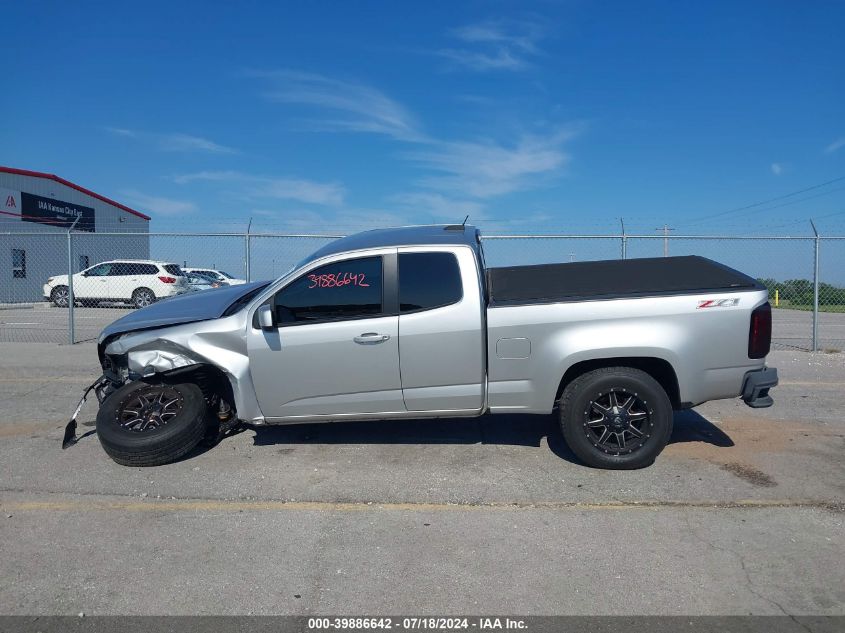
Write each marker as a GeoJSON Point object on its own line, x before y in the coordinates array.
{"type": "Point", "coordinates": [217, 342]}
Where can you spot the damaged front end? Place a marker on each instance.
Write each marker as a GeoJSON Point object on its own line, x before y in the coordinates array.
{"type": "Point", "coordinates": [200, 343]}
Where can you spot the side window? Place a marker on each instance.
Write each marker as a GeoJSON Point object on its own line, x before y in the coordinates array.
{"type": "Point", "coordinates": [343, 290]}
{"type": "Point", "coordinates": [119, 270]}
{"type": "Point", "coordinates": [18, 263]}
{"type": "Point", "coordinates": [100, 271]}
{"type": "Point", "coordinates": [428, 280]}
{"type": "Point", "coordinates": [172, 269]}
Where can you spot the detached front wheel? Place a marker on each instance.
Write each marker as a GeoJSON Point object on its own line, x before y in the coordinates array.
{"type": "Point", "coordinates": [616, 417]}
{"type": "Point", "coordinates": [144, 424]}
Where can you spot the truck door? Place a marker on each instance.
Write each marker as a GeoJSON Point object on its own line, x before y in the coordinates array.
{"type": "Point", "coordinates": [335, 351]}
{"type": "Point", "coordinates": [441, 330]}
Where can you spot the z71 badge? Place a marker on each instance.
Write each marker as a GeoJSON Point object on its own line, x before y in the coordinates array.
{"type": "Point", "coordinates": [718, 303]}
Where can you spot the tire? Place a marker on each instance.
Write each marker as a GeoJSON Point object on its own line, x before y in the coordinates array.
{"type": "Point", "coordinates": [143, 297]}
{"type": "Point", "coordinates": [645, 420]}
{"type": "Point", "coordinates": [59, 296]}
{"type": "Point", "coordinates": [142, 439]}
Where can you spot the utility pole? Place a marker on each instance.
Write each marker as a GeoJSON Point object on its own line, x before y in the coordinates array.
{"type": "Point", "coordinates": [665, 230]}
{"type": "Point", "coordinates": [571, 257]}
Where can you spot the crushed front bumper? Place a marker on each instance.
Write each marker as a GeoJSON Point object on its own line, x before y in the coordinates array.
{"type": "Point", "coordinates": [755, 389]}
{"type": "Point", "coordinates": [102, 387]}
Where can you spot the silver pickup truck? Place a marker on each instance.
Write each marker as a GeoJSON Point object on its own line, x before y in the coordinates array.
{"type": "Point", "coordinates": [409, 323]}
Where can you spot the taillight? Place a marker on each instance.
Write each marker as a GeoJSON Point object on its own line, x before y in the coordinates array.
{"type": "Point", "coordinates": [167, 280]}
{"type": "Point", "coordinates": [760, 333]}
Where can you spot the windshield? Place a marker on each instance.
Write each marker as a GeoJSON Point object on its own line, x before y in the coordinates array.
{"type": "Point", "coordinates": [194, 278]}
{"type": "Point", "coordinates": [245, 299]}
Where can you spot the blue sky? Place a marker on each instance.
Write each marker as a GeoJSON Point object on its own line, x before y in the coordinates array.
{"type": "Point", "coordinates": [529, 117]}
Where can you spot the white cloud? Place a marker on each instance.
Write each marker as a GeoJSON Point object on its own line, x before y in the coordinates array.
{"type": "Point", "coordinates": [121, 131]}
{"type": "Point", "coordinates": [216, 176]}
{"type": "Point", "coordinates": [157, 204]}
{"type": "Point", "coordinates": [777, 169]}
{"type": "Point", "coordinates": [338, 222]}
{"type": "Point", "coordinates": [173, 142]}
{"type": "Point", "coordinates": [521, 35]}
{"type": "Point", "coordinates": [436, 205]}
{"type": "Point", "coordinates": [300, 189]}
{"type": "Point", "coordinates": [495, 45]}
{"type": "Point", "coordinates": [186, 143]}
{"type": "Point", "coordinates": [502, 59]}
{"type": "Point", "coordinates": [836, 145]}
{"type": "Point", "coordinates": [472, 169]}
{"type": "Point", "coordinates": [486, 169]}
{"type": "Point", "coordinates": [362, 108]}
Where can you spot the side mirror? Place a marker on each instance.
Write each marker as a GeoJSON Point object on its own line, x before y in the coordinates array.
{"type": "Point", "coordinates": [265, 317]}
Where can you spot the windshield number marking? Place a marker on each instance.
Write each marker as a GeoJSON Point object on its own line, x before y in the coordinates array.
{"type": "Point", "coordinates": [338, 280]}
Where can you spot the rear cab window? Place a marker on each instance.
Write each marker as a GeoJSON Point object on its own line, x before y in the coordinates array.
{"type": "Point", "coordinates": [428, 281]}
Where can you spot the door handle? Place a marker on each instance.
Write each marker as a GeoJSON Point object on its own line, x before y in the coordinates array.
{"type": "Point", "coordinates": [371, 338]}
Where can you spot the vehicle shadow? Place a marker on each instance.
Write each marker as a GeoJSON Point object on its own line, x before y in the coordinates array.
{"type": "Point", "coordinates": [510, 430]}
{"type": "Point", "coordinates": [691, 426]}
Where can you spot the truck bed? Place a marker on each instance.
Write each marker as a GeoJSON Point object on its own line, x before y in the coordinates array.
{"type": "Point", "coordinates": [646, 277]}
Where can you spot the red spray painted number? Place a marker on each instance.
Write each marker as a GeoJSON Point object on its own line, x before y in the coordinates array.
{"type": "Point", "coordinates": [338, 280]}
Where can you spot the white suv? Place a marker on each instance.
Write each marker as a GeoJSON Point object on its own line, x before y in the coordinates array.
{"type": "Point", "coordinates": [219, 275]}
{"type": "Point", "coordinates": [137, 281]}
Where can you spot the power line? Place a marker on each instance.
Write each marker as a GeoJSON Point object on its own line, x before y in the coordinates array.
{"type": "Point", "coordinates": [805, 220]}
{"type": "Point", "coordinates": [762, 202]}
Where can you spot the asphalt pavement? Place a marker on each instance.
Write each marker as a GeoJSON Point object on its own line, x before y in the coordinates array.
{"type": "Point", "coordinates": [742, 513]}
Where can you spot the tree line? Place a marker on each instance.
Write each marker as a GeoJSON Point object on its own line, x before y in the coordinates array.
{"type": "Point", "coordinates": [800, 292]}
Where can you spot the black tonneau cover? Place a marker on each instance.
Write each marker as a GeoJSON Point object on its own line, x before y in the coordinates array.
{"type": "Point", "coordinates": [549, 283]}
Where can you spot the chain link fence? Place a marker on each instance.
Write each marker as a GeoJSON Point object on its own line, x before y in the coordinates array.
{"type": "Point", "coordinates": [112, 273]}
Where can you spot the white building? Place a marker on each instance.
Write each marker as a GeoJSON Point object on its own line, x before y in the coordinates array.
{"type": "Point", "coordinates": [36, 212]}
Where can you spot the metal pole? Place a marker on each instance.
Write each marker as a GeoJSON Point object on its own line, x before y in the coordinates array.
{"type": "Point", "coordinates": [815, 289]}
{"type": "Point", "coordinates": [624, 240]}
{"type": "Point", "coordinates": [71, 335]}
{"type": "Point", "coordinates": [246, 250]}
{"type": "Point", "coordinates": [665, 230]}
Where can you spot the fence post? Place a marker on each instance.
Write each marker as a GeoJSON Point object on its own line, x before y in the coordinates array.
{"type": "Point", "coordinates": [815, 289]}
{"type": "Point", "coordinates": [624, 240]}
{"type": "Point", "coordinates": [71, 335]}
{"type": "Point", "coordinates": [246, 251]}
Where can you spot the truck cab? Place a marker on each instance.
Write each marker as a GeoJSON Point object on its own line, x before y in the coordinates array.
{"type": "Point", "coordinates": [374, 332]}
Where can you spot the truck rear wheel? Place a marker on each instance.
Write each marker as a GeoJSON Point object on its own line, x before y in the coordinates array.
{"type": "Point", "coordinates": [616, 417]}
{"type": "Point", "coordinates": [144, 424]}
